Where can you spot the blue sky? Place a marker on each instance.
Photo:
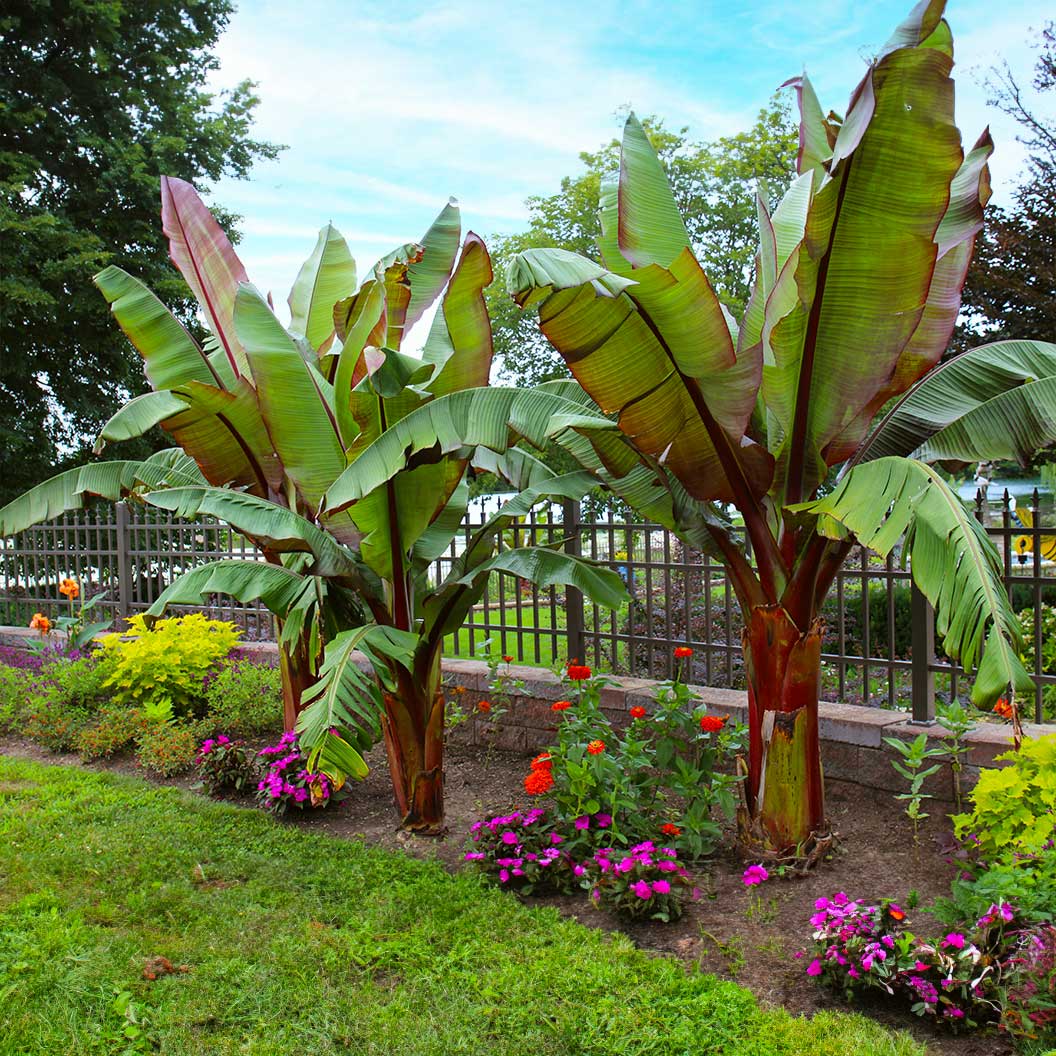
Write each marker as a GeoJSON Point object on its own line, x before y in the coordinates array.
{"type": "Point", "coordinates": [387, 115]}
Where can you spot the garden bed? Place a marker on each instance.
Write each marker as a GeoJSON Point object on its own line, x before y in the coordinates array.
{"type": "Point", "coordinates": [751, 936]}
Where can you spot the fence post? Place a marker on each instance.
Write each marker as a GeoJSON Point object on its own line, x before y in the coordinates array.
{"type": "Point", "coordinates": [574, 622]}
{"type": "Point", "coordinates": [123, 562]}
{"type": "Point", "coordinates": [923, 642]}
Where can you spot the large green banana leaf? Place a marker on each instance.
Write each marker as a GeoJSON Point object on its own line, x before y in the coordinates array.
{"type": "Point", "coordinates": [279, 589]}
{"type": "Point", "coordinates": [72, 489]}
{"type": "Point", "coordinates": [138, 416]}
{"type": "Point", "coordinates": [271, 527]}
{"type": "Point", "coordinates": [326, 277]}
{"type": "Point", "coordinates": [996, 401]}
{"type": "Point", "coordinates": [170, 355]}
{"type": "Point", "coordinates": [854, 291]}
{"type": "Point", "coordinates": [428, 276]}
{"type": "Point", "coordinates": [206, 260]}
{"type": "Point", "coordinates": [951, 558]}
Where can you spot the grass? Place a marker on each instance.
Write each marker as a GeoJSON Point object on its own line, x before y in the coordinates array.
{"type": "Point", "coordinates": [297, 943]}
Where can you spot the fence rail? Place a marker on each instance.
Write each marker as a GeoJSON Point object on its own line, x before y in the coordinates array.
{"type": "Point", "coordinates": [880, 645]}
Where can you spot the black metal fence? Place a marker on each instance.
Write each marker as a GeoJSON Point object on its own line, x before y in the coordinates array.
{"type": "Point", "coordinates": [880, 644]}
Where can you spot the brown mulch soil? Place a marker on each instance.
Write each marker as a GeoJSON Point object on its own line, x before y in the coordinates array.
{"type": "Point", "coordinates": [749, 936]}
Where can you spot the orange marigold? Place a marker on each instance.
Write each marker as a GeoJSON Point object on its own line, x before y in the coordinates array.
{"type": "Point", "coordinates": [484, 706]}
{"type": "Point", "coordinates": [682, 651]}
{"type": "Point", "coordinates": [596, 747]}
{"type": "Point", "coordinates": [712, 723]}
{"type": "Point", "coordinates": [70, 588]}
{"type": "Point", "coordinates": [560, 705]}
{"type": "Point", "coordinates": [41, 623]}
{"type": "Point", "coordinates": [637, 712]}
{"type": "Point", "coordinates": [543, 761]}
{"type": "Point", "coordinates": [538, 781]}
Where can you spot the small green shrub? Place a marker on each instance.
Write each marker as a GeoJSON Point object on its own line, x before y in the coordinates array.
{"type": "Point", "coordinates": [77, 683]}
{"type": "Point", "coordinates": [114, 729]}
{"type": "Point", "coordinates": [162, 670]}
{"type": "Point", "coordinates": [1026, 883]}
{"type": "Point", "coordinates": [1014, 809]}
{"type": "Point", "coordinates": [244, 700]}
{"type": "Point", "coordinates": [166, 748]}
{"type": "Point", "coordinates": [52, 724]}
{"type": "Point", "coordinates": [1048, 652]}
{"type": "Point", "coordinates": [14, 693]}
{"type": "Point", "coordinates": [225, 765]}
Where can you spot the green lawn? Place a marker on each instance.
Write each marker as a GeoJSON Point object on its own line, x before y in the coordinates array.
{"type": "Point", "coordinates": [299, 943]}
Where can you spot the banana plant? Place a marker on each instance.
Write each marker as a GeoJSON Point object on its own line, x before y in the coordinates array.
{"type": "Point", "coordinates": [817, 417]}
{"type": "Point", "coordinates": [268, 417]}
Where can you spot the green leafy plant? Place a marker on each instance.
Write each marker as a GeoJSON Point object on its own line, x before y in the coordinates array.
{"type": "Point", "coordinates": [15, 687]}
{"type": "Point", "coordinates": [913, 755]}
{"type": "Point", "coordinates": [1013, 808]}
{"type": "Point", "coordinates": [166, 748]}
{"type": "Point", "coordinates": [114, 728]}
{"type": "Point", "coordinates": [1028, 619]}
{"type": "Point", "coordinates": [690, 411]}
{"type": "Point", "coordinates": [957, 722]}
{"type": "Point", "coordinates": [275, 425]}
{"type": "Point", "coordinates": [243, 699]}
{"type": "Point", "coordinates": [225, 765]}
{"type": "Point", "coordinates": [161, 668]}
{"type": "Point", "coordinates": [78, 628]}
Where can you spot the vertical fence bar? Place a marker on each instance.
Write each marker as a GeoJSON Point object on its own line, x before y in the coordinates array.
{"type": "Point", "coordinates": [923, 619]}
{"type": "Point", "coordinates": [574, 623]}
{"type": "Point", "coordinates": [123, 562]}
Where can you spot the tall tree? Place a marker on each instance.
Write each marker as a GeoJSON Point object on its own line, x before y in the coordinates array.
{"type": "Point", "coordinates": [714, 184]}
{"type": "Point", "coordinates": [97, 99]}
{"type": "Point", "coordinates": [1010, 285]}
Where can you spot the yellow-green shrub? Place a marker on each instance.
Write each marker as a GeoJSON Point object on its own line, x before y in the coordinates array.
{"type": "Point", "coordinates": [161, 670]}
{"type": "Point", "coordinates": [1014, 809]}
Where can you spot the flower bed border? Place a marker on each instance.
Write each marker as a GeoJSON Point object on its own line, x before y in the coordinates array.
{"type": "Point", "coordinates": [851, 735]}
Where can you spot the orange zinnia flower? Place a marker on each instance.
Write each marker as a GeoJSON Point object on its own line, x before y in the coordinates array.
{"type": "Point", "coordinates": [560, 705]}
{"type": "Point", "coordinates": [484, 706]}
{"type": "Point", "coordinates": [538, 781]}
{"type": "Point", "coordinates": [578, 672]}
{"type": "Point", "coordinates": [596, 747]}
{"type": "Point", "coordinates": [70, 588]}
{"type": "Point", "coordinates": [543, 761]}
{"type": "Point", "coordinates": [637, 712]}
{"type": "Point", "coordinates": [712, 723]}
{"type": "Point", "coordinates": [508, 659]}
{"type": "Point", "coordinates": [41, 623]}
{"type": "Point", "coordinates": [682, 651]}
{"type": "Point", "coordinates": [668, 829]}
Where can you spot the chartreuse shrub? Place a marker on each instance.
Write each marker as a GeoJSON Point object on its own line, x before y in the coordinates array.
{"type": "Point", "coordinates": [366, 951]}
{"type": "Point", "coordinates": [1014, 809]}
{"type": "Point", "coordinates": [161, 670]}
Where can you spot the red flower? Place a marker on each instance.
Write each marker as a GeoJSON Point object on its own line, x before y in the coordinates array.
{"type": "Point", "coordinates": [560, 705]}
{"type": "Point", "coordinates": [712, 723]}
{"type": "Point", "coordinates": [484, 706]}
{"type": "Point", "coordinates": [1003, 708]}
{"type": "Point", "coordinates": [596, 747]}
{"type": "Point", "coordinates": [670, 830]}
{"type": "Point", "coordinates": [543, 761]}
{"type": "Point", "coordinates": [682, 651]}
{"type": "Point", "coordinates": [578, 672]}
{"type": "Point", "coordinates": [508, 659]}
{"type": "Point", "coordinates": [538, 781]}
{"type": "Point", "coordinates": [637, 712]}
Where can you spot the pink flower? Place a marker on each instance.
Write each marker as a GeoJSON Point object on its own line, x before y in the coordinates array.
{"type": "Point", "coordinates": [755, 874]}
{"type": "Point", "coordinates": [814, 968]}
{"type": "Point", "coordinates": [509, 837]}
{"type": "Point", "coordinates": [583, 821]}
{"type": "Point", "coordinates": [504, 875]}
{"type": "Point", "coordinates": [578, 870]}
{"type": "Point", "coordinates": [661, 887]}
{"type": "Point", "coordinates": [603, 821]}
{"type": "Point", "coordinates": [954, 939]}
{"type": "Point", "coordinates": [642, 889]}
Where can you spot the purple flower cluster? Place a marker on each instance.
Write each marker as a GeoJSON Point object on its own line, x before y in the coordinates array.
{"type": "Point", "coordinates": [645, 881]}
{"type": "Point", "coordinates": [521, 849]}
{"type": "Point", "coordinates": [286, 782]}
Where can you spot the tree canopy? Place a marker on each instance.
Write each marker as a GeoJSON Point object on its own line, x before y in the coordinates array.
{"type": "Point", "coordinates": [98, 98]}
{"type": "Point", "coordinates": [714, 184]}
{"type": "Point", "coordinates": [1009, 293]}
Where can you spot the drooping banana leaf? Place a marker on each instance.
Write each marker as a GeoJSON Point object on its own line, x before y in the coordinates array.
{"type": "Point", "coordinates": [996, 401]}
{"type": "Point", "coordinates": [138, 416]}
{"type": "Point", "coordinates": [170, 355]}
{"type": "Point", "coordinates": [270, 527]}
{"type": "Point", "coordinates": [951, 558]}
{"type": "Point", "coordinates": [279, 589]}
{"type": "Point", "coordinates": [491, 418]}
{"type": "Point", "coordinates": [326, 277]}
{"type": "Point", "coordinates": [206, 260]}
{"type": "Point", "coordinates": [72, 489]}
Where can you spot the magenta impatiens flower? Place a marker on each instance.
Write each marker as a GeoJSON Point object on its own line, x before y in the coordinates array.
{"type": "Point", "coordinates": [582, 822]}
{"type": "Point", "coordinates": [661, 887]}
{"type": "Point", "coordinates": [814, 968]}
{"type": "Point", "coordinates": [755, 874]}
{"type": "Point", "coordinates": [955, 940]}
{"type": "Point", "coordinates": [642, 889]}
